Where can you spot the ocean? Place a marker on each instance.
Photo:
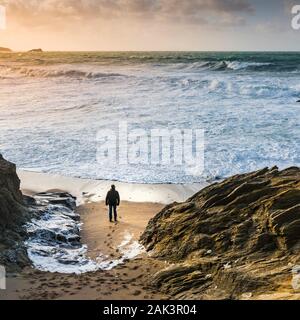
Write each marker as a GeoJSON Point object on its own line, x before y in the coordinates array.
{"type": "Point", "coordinates": [53, 104]}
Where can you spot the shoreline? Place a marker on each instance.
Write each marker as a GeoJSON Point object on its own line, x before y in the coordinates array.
{"type": "Point", "coordinates": [129, 280]}
{"type": "Point", "coordinates": [88, 190]}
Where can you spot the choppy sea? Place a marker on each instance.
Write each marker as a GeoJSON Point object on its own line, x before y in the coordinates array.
{"type": "Point", "coordinates": [53, 104]}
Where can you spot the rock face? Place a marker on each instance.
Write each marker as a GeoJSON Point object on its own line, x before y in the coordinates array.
{"type": "Point", "coordinates": [22, 231]}
{"type": "Point", "coordinates": [11, 198]}
{"type": "Point", "coordinates": [5, 49]}
{"type": "Point", "coordinates": [240, 237]}
{"type": "Point", "coordinates": [13, 214]}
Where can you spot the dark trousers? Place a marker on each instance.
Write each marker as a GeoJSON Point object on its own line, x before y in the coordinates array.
{"type": "Point", "coordinates": [113, 207]}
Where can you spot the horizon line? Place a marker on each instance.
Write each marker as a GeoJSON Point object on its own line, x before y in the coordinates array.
{"type": "Point", "coordinates": [49, 51]}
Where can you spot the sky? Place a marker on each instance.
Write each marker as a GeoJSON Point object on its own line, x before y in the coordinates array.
{"type": "Point", "coordinates": [143, 25]}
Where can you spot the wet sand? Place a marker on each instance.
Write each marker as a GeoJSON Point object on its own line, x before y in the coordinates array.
{"type": "Point", "coordinates": [129, 281]}
{"type": "Point", "coordinates": [87, 190]}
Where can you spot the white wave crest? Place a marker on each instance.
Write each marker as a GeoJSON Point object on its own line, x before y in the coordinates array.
{"type": "Point", "coordinates": [238, 65]}
{"type": "Point", "coordinates": [36, 72]}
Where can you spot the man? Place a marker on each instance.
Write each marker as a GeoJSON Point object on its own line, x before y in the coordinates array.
{"type": "Point", "coordinates": [113, 200]}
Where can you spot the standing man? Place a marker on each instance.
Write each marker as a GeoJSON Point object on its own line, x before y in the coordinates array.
{"type": "Point", "coordinates": [113, 200]}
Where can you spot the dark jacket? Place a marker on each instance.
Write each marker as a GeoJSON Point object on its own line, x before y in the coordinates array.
{"type": "Point", "coordinates": [112, 198]}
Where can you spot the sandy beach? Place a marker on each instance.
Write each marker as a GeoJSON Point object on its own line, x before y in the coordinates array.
{"type": "Point", "coordinates": [87, 190]}
{"type": "Point", "coordinates": [129, 280]}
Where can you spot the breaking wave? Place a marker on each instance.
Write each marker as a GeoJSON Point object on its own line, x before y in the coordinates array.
{"type": "Point", "coordinates": [230, 66]}
{"type": "Point", "coordinates": [13, 71]}
{"type": "Point", "coordinates": [245, 102]}
{"type": "Point", "coordinates": [93, 72]}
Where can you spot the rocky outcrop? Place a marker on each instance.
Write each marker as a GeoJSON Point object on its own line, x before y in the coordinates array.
{"type": "Point", "coordinates": [35, 51]}
{"type": "Point", "coordinates": [13, 214]}
{"type": "Point", "coordinates": [11, 199]}
{"type": "Point", "coordinates": [34, 226]}
{"type": "Point", "coordinates": [5, 49]}
{"type": "Point", "coordinates": [233, 239]}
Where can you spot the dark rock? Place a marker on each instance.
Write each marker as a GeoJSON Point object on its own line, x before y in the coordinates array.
{"type": "Point", "coordinates": [12, 207]}
{"type": "Point", "coordinates": [230, 235]}
{"type": "Point", "coordinates": [58, 198]}
{"type": "Point", "coordinates": [35, 50]}
{"type": "Point", "coordinates": [13, 214]}
{"type": "Point", "coordinates": [29, 200]}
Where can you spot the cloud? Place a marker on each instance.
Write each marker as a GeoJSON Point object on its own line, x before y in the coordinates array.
{"type": "Point", "coordinates": [41, 12]}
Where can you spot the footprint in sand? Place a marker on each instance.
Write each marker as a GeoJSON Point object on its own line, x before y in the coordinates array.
{"type": "Point", "coordinates": [135, 268]}
{"type": "Point", "coordinates": [108, 275]}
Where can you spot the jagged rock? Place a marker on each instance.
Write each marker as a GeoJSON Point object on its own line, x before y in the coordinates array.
{"type": "Point", "coordinates": [241, 235]}
{"type": "Point", "coordinates": [62, 198]}
{"type": "Point", "coordinates": [13, 214]}
{"type": "Point", "coordinates": [12, 207]}
{"type": "Point", "coordinates": [17, 213]}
